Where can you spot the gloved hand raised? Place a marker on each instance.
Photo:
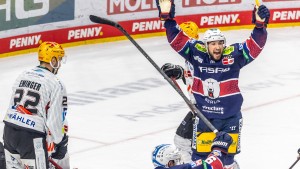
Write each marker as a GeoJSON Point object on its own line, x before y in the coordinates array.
{"type": "Point", "coordinates": [61, 148]}
{"type": "Point", "coordinates": [173, 71]}
{"type": "Point", "coordinates": [166, 9]}
{"type": "Point", "coordinates": [260, 16]}
{"type": "Point", "coordinates": [222, 142]}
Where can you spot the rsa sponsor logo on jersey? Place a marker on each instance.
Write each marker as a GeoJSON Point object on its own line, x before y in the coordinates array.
{"type": "Point", "coordinates": [219, 19]}
{"type": "Point", "coordinates": [17, 14]}
{"type": "Point", "coordinates": [127, 6]}
{"type": "Point", "coordinates": [142, 26]}
{"type": "Point", "coordinates": [25, 41]}
{"type": "Point", "coordinates": [286, 15]}
{"type": "Point", "coordinates": [213, 70]}
{"type": "Point", "coordinates": [84, 33]}
{"type": "Point", "coordinates": [193, 3]}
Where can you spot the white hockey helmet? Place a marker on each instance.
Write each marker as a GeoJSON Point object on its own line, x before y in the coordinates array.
{"type": "Point", "coordinates": [163, 154]}
{"type": "Point", "coordinates": [213, 34]}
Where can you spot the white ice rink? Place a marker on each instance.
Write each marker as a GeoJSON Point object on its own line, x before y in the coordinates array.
{"type": "Point", "coordinates": [121, 107]}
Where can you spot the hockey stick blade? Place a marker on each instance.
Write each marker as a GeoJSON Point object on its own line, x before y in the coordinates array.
{"type": "Point", "coordinates": [97, 19]}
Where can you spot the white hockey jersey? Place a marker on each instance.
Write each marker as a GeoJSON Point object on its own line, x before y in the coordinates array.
{"type": "Point", "coordinates": [45, 97]}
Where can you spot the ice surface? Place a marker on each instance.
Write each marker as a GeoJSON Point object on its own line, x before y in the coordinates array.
{"type": "Point", "coordinates": [121, 107]}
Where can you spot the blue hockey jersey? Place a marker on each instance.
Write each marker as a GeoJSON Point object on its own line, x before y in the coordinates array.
{"type": "Point", "coordinates": [215, 84]}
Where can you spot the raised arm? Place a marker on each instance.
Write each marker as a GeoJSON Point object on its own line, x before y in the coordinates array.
{"type": "Point", "coordinates": [176, 37]}
{"type": "Point", "coordinates": [257, 40]}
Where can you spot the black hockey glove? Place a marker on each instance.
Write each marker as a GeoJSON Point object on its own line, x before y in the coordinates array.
{"type": "Point", "coordinates": [222, 142]}
{"type": "Point", "coordinates": [173, 71]}
{"type": "Point", "coordinates": [260, 16]}
{"type": "Point", "coordinates": [166, 9]}
{"type": "Point", "coordinates": [61, 148]}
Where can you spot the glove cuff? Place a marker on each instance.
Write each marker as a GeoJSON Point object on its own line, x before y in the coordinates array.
{"type": "Point", "coordinates": [220, 150]}
{"type": "Point", "coordinates": [165, 16]}
{"type": "Point", "coordinates": [259, 24]}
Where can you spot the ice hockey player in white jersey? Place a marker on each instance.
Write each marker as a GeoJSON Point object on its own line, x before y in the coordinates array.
{"type": "Point", "coordinates": [37, 108]}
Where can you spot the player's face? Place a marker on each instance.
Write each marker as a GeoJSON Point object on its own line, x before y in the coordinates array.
{"type": "Point", "coordinates": [55, 64]}
{"type": "Point", "coordinates": [215, 49]}
{"type": "Point", "coordinates": [171, 163]}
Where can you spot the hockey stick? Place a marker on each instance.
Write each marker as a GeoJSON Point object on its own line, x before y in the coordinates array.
{"type": "Point", "coordinates": [54, 164]}
{"type": "Point", "coordinates": [298, 158]}
{"type": "Point", "coordinates": [193, 108]}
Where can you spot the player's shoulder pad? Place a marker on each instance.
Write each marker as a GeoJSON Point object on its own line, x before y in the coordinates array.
{"type": "Point", "coordinates": [228, 50]}
{"type": "Point", "coordinates": [200, 47]}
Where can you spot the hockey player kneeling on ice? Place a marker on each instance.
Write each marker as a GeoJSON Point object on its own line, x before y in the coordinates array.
{"type": "Point", "coordinates": [167, 156]}
{"type": "Point", "coordinates": [217, 69]}
{"type": "Point", "coordinates": [38, 106]}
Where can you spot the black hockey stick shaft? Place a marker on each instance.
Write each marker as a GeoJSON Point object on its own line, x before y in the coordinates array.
{"type": "Point", "coordinates": [54, 164]}
{"type": "Point", "coordinates": [295, 163]}
{"type": "Point", "coordinates": [177, 85]}
{"type": "Point", "coordinates": [298, 158]}
{"type": "Point", "coordinates": [193, 108]}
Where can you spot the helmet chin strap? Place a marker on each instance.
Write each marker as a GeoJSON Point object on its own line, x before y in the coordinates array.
{"type": "Point", "coordinates": [55, 68]}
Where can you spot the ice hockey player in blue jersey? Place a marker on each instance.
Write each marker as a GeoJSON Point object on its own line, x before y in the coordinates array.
{"type": "Point", "coordinates": [216, 73]}
{"type": "Point", "coordinates": [167, 156]}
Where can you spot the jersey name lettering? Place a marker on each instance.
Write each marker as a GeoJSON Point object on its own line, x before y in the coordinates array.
{"type": "Point", "coordinates": [30, 84]}
{"type": "Point", "coordinates": [21, 119]}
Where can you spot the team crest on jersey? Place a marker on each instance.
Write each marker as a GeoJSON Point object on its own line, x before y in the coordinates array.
{"type": "Point", "coordinates": [228, 60]}
{"type": "Point", "coordinates": [211, 88]}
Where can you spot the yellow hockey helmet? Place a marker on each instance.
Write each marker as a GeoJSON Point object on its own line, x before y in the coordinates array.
{"type": "Point", "coordinates": [48, 50]}
{"type": "Point", "coordinates": [191, 29]}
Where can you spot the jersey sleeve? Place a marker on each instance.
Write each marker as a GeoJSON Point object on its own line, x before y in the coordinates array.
{"type": "Point", "coordinates": [181, 43]}
{"type": "Point", "coordinates": [56, 113]}
{"type": "Point", "coordinates": [253, 46]}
